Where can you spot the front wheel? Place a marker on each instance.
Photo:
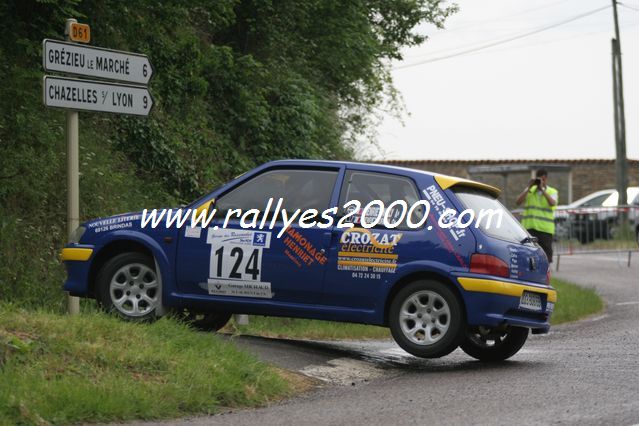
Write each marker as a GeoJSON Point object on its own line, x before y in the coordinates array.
{"type": "Point", "coordinates": [492, 345]}
{"type": "Point", "coordinates": [426, 319]}
{"type": "Point", "coordinates": [128, 285]}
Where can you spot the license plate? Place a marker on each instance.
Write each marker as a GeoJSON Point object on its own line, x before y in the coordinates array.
{"type": "Point", "coordinates": [530, 301]}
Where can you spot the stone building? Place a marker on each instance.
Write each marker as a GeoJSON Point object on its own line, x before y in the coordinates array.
{"type": "Point", "coordinates": [573, 178]}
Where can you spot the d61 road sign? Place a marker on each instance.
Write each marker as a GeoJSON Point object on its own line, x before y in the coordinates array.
{"type": "Point", "coordinates": [89, 61]}
{"type": "Point", "coordinates": [80, 32]}
{"type": "Point", "coordinates": [88, 95]}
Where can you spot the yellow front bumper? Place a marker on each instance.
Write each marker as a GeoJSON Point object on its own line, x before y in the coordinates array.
{"type": "Point", "coordinates": [75, 253]}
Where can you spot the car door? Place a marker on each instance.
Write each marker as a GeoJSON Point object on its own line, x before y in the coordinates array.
{"type": "Point", "coordinates": [363, 260]}
{"type": "Point", "coordinates": [251, 254]}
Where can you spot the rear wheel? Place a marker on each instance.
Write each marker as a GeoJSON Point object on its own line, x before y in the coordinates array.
{"type": "Point", "coordinates": [128, 285]}
{"type": "Point", "coordinates": [426, 319]}
{"type": "Point", "coordinates": [494, 344]}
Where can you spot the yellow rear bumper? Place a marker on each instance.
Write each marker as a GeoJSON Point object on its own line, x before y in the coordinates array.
{"type": "Point", "coordinates": [504, 288]}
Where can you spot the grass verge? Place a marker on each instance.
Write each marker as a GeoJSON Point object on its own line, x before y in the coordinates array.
{"type": "Point", "coordinates": [96, 368]}
{"type": "Point", "coordinates": [574, 302]}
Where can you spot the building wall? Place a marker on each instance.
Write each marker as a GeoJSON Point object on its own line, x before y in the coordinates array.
{"type": "Point", "coordinates": [587, 175]}
{"type": "Point", "coordinates": [599, 176]}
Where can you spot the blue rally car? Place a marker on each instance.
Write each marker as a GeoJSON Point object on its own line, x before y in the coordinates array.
{"type": "Point", "coordinates": [436, 284]}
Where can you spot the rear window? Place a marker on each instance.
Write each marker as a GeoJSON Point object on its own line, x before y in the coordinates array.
{"type": "Point", "coordinates": [478, 201]}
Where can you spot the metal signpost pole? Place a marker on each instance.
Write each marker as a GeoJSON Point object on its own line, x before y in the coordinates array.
{"type": "Point", "coordinates": [615, 103]}
{"type": "Point", "coordinates": [620, 123]}
{"type": "Point", "coordinates": [73, 179]}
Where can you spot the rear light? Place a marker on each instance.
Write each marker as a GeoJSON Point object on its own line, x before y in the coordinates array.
{"type": "Point", "coordinates": [489, 265]}
{"type": "Point", "coordinates": [548, 276]}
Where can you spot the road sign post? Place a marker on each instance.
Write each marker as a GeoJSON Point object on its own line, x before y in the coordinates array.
{"type": "Point", "coordinates": [73, 178]}
{"type": "Point", "coordinates": [75, 95]}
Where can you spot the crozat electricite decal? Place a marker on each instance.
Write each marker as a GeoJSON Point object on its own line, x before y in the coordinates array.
{"type": "Point", "coordinates": [364, 252]}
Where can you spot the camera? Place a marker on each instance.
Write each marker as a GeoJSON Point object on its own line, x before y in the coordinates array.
{"type": "Point", "coordinates": [537, 182]}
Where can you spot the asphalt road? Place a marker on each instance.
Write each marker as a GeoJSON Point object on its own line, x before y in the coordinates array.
{"type": "Point", "coordinates": [581, 373]}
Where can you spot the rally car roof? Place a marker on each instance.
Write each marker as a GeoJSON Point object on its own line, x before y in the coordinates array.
{"type": "Point", "coordinates": [444, 181]}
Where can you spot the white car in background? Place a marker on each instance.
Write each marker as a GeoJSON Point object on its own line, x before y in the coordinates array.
{"type": "Point", "coordinates": [594, 216]}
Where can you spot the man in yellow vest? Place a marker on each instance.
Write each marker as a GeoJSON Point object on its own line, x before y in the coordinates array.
{"type": "Point", "coordinates": [539, 210]}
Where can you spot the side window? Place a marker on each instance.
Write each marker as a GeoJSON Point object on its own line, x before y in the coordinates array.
{"type": "Point", "coordinates": [299, 189]}
{"type": "Point", "coordinates": [366, 187]}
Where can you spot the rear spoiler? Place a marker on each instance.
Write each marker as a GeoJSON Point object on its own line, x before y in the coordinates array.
{"type": "Point", "coordinates": [449, 181]}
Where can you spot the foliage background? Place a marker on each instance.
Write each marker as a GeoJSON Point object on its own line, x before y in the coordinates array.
{"type": "Point", "coordinates": [237, 83]}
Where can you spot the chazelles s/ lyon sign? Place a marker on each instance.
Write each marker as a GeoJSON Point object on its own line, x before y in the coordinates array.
{"type": "Point", "coordinates": [87, 95]}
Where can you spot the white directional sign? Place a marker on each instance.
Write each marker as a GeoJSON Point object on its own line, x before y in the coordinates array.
{"type": "Point", "coordinates": [72, 58]}
{"type": "Point", "coordinates": [88, 95]}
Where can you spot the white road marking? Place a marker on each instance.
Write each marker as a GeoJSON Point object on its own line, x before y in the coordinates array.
{"type": "Point", "coordinates": [627, 303]}
{"type": "Point", "coordinates": [600, 317]}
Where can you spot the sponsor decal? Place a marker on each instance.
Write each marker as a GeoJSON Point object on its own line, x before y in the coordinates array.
{"type": "Point", "coordinates": [300, 250]}
{"type": "Point", "coordinates": [191, 232]}
{"type": "Point", "coordinates": [437, 200]}
{"type": "Point", "coordinates": [239, 288]}
{"type": "Point", "coordinates": [368, 254]}
{"type": "Point", "coordinates": [114, 223]}
{"type": "Point", "coordinates": [513, 264]}
{"type": "Point", "coordinates": [235, 266]}
{"type": "Point", "coordinates": [372, 213]}
{"type": "Point", "coordinates": [259, 239]}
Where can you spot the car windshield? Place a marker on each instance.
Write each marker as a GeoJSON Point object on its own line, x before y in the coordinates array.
{"type": "Point", "coordinates": [488, 211]}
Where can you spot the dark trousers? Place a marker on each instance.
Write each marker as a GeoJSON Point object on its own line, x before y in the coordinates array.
{"type": "Point", "coordinates": [544, 239]}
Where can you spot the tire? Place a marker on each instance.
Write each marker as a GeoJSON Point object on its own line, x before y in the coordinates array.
{"type": "Point", "coordinates": [209, 321]}
{"type": "Point", "coordinates": [128, 285]}
{"type": "Point", "coordinates": [426, 319]}
{"type": "Point", "coordinates": [612, 229]}
{"type": "Point", "coordinates": [494, 345]}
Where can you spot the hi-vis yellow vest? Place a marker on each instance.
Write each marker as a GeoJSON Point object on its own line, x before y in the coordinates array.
{"type": "Point", "coordinates": [538, 214]}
